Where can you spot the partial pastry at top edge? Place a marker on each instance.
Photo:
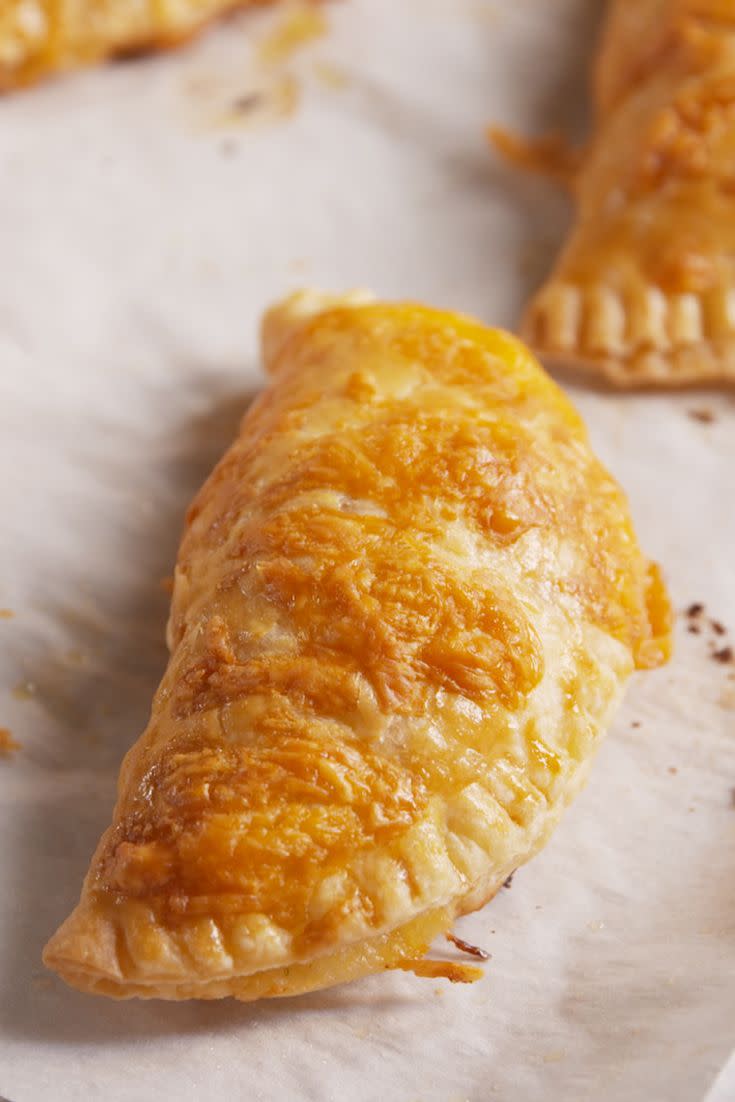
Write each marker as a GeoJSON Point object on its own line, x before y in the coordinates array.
{"type": "Point", "coordinates": [643, 293]}
{"type": "Point", "coordinates": [39, 38]}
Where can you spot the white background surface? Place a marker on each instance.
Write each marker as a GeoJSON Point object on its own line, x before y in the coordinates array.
{"type": "Point", "coordinates": [141, 238]}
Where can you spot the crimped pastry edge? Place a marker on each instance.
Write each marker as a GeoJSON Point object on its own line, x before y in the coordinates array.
{"type": "Point", "coordinates": [385, 951]}
{"type": "Point", "coordinates": [348, 962]}
{"type": "Point", "coordinates": [642, 338]}
{"type": "Point", "coordinates": [91, 950]}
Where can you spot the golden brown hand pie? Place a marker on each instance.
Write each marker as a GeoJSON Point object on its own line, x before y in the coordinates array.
{"type": "Point", "coordinates": [644, 292]}
{"type": "Point", "coordinates": [405, 605]}
{"type": "Point", "coordinates": [39, 37]}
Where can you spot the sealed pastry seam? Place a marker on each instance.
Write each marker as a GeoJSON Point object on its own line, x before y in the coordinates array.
{"type": "Point", "coordinates": [642, 338]}
{"type": "Point", "coordinates": [406, 603]}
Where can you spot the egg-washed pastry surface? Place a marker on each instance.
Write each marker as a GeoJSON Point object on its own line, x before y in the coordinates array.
{"type": "Point", "coordinates": [644, 291]}
{"type": "Point", "coordinates": [405, 604]}
{"type": "Point", "coordinates": [41, 37]}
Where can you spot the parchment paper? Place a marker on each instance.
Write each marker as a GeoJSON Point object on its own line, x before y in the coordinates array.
{"type": "Point", "coordinates": [144, 225]}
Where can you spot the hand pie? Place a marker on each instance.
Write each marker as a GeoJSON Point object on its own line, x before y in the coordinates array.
{"type": "Point", "coordinates": [39, 37]}
{"type": "Point", "coordinates": [405, 605]}
{"type": "Point", "coordinates": [644, 292]}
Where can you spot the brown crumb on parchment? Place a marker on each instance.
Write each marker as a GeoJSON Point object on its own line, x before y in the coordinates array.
{"type": "Point", "coordinates": [8, 745]}
{"type": "Point", "coordinates": [507, 883]}
{"type": "Point", "coordinates": [6, 614]}
{"type": "Point", "coordinates": [467, 947]}
{"type": "Point", "coordinates": [695, 616]}
{"type": "Point", "coordinates": [249, 102]}
{"type": "Point", "coordinates": [704, 416]}
{"type": "Point", "coordinates": [673, 770]}
{"type": "Point", "coordinates": [635, 723]}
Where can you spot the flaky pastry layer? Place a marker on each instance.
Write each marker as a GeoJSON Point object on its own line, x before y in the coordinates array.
{"type": "Point", "coordinates": [405, 605]}
{"type": "Point", "coordinates": [644, 291]}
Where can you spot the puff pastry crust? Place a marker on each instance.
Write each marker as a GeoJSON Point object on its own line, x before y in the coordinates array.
{"type": "Point", "coordinates": [644, 291]}
{"type": "Point", "coordinates": [405, 605]}
{"type": "Point", "coordinates": [40, 37]}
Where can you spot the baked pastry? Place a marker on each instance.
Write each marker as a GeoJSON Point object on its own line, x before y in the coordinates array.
{"type": "Point", "coordinates": [405, 605]}
{"type": "Point", "coordinates": [39, 37]}
{"type": "Point", "coordinates": [644, 291]}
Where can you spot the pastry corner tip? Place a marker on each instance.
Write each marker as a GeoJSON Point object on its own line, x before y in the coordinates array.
{"type": "Point", "coordinates": [83, 950]}
{"type": "Point", "coordinates": [286, 316]}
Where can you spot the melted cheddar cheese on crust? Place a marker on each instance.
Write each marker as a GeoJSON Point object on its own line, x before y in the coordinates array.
{"type": "Point", "coordinates": [405, 605]}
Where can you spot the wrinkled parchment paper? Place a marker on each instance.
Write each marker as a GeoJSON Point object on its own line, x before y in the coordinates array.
{"type": "Point", "coordinates": [148, 213]}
